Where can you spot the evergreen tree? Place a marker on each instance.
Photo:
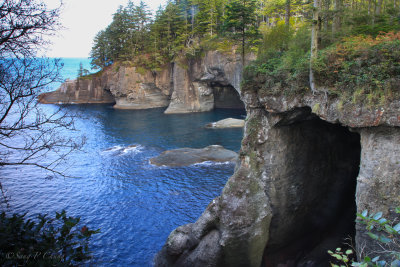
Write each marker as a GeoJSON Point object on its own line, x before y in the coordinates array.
{"type": "Point", "coordinates": [241, 22]}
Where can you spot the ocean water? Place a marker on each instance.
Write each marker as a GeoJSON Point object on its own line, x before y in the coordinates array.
{"type": "Point", "coordinates": [70, 69]}
{"type": "Point", "coordinates": [135, 204]}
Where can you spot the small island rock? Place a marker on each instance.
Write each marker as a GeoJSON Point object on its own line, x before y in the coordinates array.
{"type": "Point", "coordinates": [226, 123]}
{"type": "Point", "coordinates": [189, 156]}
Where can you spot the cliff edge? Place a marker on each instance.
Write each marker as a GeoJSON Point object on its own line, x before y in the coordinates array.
{"type": "Point", "coordinates": [307, 164]}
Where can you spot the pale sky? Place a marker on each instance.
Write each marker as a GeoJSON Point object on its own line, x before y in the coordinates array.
{"type": "Point", "coordinates": [82, 19]}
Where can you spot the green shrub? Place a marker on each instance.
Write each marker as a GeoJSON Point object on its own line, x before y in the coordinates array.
{"type": "Point", "coordinates": [362, 68]}
{"type": "Point", "coordinates": [58, 241]}
{"type": "Point", "coordinates": [385, 232]}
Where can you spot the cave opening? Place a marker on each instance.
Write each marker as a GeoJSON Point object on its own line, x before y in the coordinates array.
{"type": "Point", "coordinates": [315, 209]}
{"type": "Point", "coordinates": [226, 96]}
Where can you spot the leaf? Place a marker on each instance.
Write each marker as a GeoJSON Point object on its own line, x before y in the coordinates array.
{"type": "Point", "coordinates": [364, 213]}
{"type": "Point", "coordinates": [378, 215]}
{"type": "Point", "coordinates": [395, 263]}
{"type": "Point", "coordinates": [397, 227]}
{"type": "Point", "coordinates": [349, 251]}
{"type": "Point", "coordinates": [373, 236]}
{"type": "Point", "coordinates": [382, 221]}
{"type": "Point", "coordinates": [389, 229]}
{"type": "Point", "coordinates": [384, 239]}
{"type": "Point", "coordinates": [375, 259]}
{"type": "Point", "coordinates": [397, 210]}
{"type": "Point", "coordinates": [338, 257]}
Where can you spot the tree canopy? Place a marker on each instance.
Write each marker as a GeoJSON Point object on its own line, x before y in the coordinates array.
{"type": "Point", "coordinates": [187, 27]}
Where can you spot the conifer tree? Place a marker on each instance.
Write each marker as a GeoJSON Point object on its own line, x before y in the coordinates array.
{"type": "Point", "coordinates": [240, 21]}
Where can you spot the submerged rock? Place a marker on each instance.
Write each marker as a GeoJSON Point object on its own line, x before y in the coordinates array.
{"type": "Point", "coordinates": [226, 123]}
{"type": "Point", "coordinates": [189, 156]}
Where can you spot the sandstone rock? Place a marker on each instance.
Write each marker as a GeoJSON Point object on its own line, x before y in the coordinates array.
{"type": "Point", "coordinates": [121, 84]}
{"type": "Point", "coordinates": [195, 86]}
{"type": "Point", "coordinates": [207, 83]}
{"type": "Point", "coordinates": [189, 156]}
{"type": "Point", "coordinates": [84, 91]}
{"type": "Point", "coordinates": [226, 123]}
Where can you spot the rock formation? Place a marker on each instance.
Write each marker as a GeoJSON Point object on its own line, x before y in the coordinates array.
{"type": "Point", "coordinates": [189, 156]}
{"type": "Point", "coordinates": [306, 165]}
{"type": "Point", "coordinates": [196, 85]}
{"type": "Point", "coordinates": [73, 92]}
{"type": "Point", "coordinates": [226, 123]}
{"type": "Point", "coordinates": [124, 85]}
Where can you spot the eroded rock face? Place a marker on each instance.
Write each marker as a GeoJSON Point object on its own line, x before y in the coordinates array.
{"type": "Point", "coordinates": [213, 81]}
{"type": "Point", "coordinates": [193, 86]}
{"type": "Point", "coordinates": [293, 194]}
{"type": "Point", "coordinates": [74, 92]}
{"type": "Point", "coordinates": [189, 156]}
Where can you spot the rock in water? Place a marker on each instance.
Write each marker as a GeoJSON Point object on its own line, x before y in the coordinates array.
{"type": "Point", "coordinates": [226, 123]}
{"type": "Point", "coordinates": [189, 156]}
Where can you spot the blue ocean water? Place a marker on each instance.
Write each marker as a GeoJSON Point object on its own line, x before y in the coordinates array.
{"type": "Point", "coordinates": [70, 69]}
{"type": "Point", "coordinates": [135, 204]}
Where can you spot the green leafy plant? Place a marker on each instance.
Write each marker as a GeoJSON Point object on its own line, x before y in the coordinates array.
{"type": "Point", "coordinates": [58, 241]}
{"type": "Point", "coordinates": [385, 232]}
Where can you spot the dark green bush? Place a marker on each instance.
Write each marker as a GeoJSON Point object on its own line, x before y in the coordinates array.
{"type": "Point", "coordinates": [58, 241]}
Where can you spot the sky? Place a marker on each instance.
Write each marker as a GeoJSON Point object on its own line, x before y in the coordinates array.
{"type": "Point", "coordinates": [82, 20]}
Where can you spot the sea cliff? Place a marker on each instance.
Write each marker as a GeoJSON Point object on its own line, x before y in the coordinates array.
{"type": "Point", "coordinates": [307, 164]}
{"type": "Point", "coordinates": [195, 85]}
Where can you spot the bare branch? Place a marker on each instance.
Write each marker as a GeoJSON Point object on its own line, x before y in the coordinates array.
{"type": "Point", "coordinates": [29, 136]}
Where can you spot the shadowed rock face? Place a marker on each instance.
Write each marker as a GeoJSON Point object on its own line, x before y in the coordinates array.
{"type": "Point", "coordinates": [189, 156]}
{"type": "Point", "coordinates": [298, 183]}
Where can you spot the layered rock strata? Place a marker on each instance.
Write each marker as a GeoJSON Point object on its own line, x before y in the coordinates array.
{"type": "Point", "coordinates": [197, 85]}
{"type": "Point", "coordinates": [306, 165]}
{"type": "Point", "coordinates": [82, 92]}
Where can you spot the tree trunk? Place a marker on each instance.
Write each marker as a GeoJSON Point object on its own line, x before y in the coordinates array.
{"type": "Point", "coordinates": [287, 14]}
{"type": "Point", "coordinates": [337, 17]}
{"type": "Point", "coordinates": [315, 27]}
{"type": "Point", "coordinates": [378, 8]}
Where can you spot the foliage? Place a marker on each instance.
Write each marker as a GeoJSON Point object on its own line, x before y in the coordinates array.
{"type": "Point", "coordinates": [58, 241]}
{"type": "Point", "coordinates": [385, 232]}
{"type": "Point", "coordinates": [362, 68]}
{"type": "Point", "coordinates": [281, 70]}
{"type": "Point", "coordinates": [240, 22]}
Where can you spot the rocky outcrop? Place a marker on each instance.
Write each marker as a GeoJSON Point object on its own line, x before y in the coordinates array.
{"type": "Point", "coordinates": [192, 86]}
{"type": "Point", "coordinates": [306, 165]}
{"type": "Point", "coordinates": [213, 81]}
{"type": "Point", "coordinates": [128, 87]}
{"type": "Point", "coordinates": [77, 92]}
{"type": "Point", "coordinates": [189, 156]}
{"type": "Point", "coordinates": [226, 123]}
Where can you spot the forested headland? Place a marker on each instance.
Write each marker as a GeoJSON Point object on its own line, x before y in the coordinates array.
{"type": "Point", "coordinates": [300, 45]}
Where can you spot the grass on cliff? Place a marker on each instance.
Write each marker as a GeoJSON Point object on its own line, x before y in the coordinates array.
{"type": "Point", "coordinates": [361, 69]}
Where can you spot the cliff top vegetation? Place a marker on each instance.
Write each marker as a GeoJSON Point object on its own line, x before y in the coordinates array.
{"type": "Point", "coordinates": [340, 46]}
